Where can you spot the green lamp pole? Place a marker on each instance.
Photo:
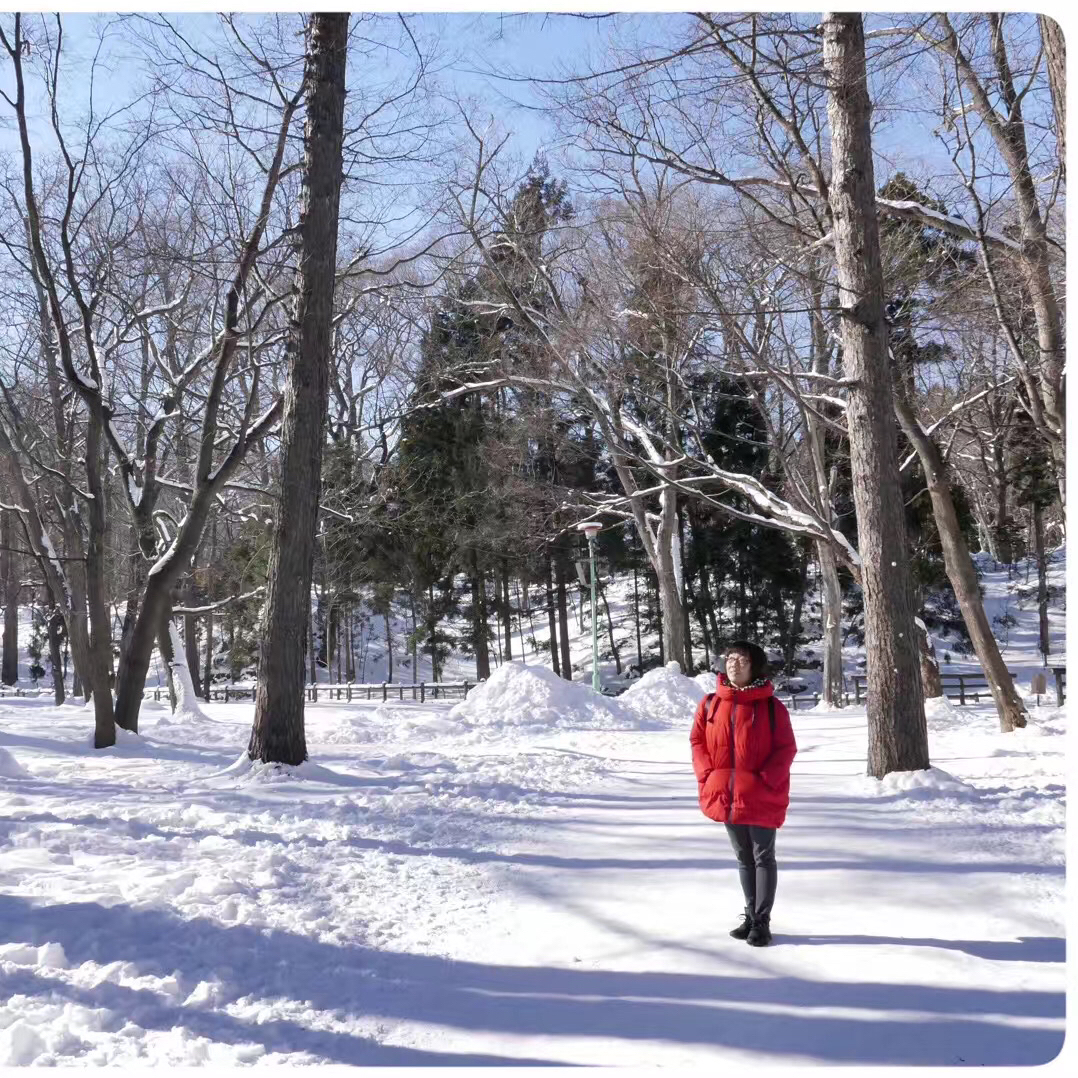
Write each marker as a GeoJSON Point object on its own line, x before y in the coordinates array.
{"type": "Point", "coordinates": [591, 529]}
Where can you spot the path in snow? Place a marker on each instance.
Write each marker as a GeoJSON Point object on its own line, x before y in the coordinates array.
{"type": "Point", "coordinates": [909, 930]}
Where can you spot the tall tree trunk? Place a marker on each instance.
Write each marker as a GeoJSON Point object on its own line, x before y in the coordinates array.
{"type": "Point", "coordinates": [9, 573]}
{"type": "Point", "coordinates": [1045, 641]}
{"type": "Point", "coordinates": [56, 658]}
{"type": "Point", "coordinates": [961, 572]}
{"type": "Point", "coordinates": [1002, 525]}
{"type": "Point", "coordinates": [100, 639]}
{"type": "Point", "coordinates": [658, 612]}
{"type": "Point", "coordinates": [479, 620]}
{"type": "Point", "coordinates": [1055, 58]}
{"type": "Point", "coordinates": [521, 607]}
{"type": "Point", "coordinates": [636, 619]}
{"type": "Point", "coordinates": [207, 667]}
{"type": "Point", "coordinates": [897, 732]}
{"type": "Point", "coordinates": [931, 681]}
{"type": "Point", "coordinates": [415, 640]}
{"type": "Point", "coordinates": [742, 604]}
{"type": "Point", "coordinates": [831, 624]}
{"type": "Point", "coordinates": [789, 645]}
{"type": "Point", "coordinates": [563, 614]}
{"type": "Point", "coordinates": [610, 630]}
{"type": "Point", "coordinates": [278, 733]}
{"type": "Point", "coordinates": [389, 645]}
{"type": "Point", "coordinates": [552, 617]}
{"type": "Point", "coordinates": [683, 595]}
{"type": "Point", "coordinates": [507, 615]}
{"type": "Point", "coordinates": [136, 584]}
{"type": "Point", "coordinates": [190, 639]}
{"type": "Point", "coordinates": [166, 646]}
{"type": "Point", "coordinates": [669, 576]}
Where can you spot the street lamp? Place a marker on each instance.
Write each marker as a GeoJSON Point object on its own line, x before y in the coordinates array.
{"type": "Point", "coordinates": [591, 529]}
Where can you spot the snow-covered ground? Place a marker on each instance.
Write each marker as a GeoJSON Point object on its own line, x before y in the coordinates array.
{"type": "Point", "coordinates": [525, 877]}
{"type": "Point", "coordinates": [441, 885]}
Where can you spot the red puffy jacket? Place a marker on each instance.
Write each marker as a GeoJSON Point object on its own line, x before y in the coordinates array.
{"type": "Point", "coordinates": [742, 770]}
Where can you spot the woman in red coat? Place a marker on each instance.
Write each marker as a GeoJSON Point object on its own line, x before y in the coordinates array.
{"type": "Point", "coordinates": [742, 749]}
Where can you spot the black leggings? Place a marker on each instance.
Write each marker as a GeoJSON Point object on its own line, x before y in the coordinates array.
{"type": "Point", "coordinates": [755, 850]}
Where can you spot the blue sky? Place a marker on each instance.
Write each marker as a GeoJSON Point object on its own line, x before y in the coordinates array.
{"type": "Point", "coordinates": [524, 43]}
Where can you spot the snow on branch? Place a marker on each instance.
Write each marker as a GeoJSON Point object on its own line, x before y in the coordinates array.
{"type": "Point", "coordinates": [209, 608]}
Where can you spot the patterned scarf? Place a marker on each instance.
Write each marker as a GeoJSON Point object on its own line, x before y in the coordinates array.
{"type": "Point", "coordinates": [759, 683]}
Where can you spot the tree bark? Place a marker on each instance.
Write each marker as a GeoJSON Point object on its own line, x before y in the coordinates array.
{"type": "Point", "coordinates": [563, 615]}
{"type": "Point", "coordinates": [961, 572]}
{"type": "Point", "coordinates": [1045, 640]}
{"type": "Point", "coordinates": [931, 682]}
{"type": "Point", "coordinates": [389, 645]}
{"type": "Point", "coordinates": [1055, 58]}
{"type": "Point", "coordinates": [507, 616]}
{"type": "Point", "coordinates": [610, 630]}
{"type": "Point", "coordinates": [190, 641]}
{"type": "Point", "coordinates": [9, 573]}
{"type": "Point", "coordinates": [897, 732]}
{"type": "Point", "coordinates": [552, 618]}
{"type": "Point", "coordinates": [789, 649]}
{"type": "Point", "coordinates": [479, 621]}
{"type": "Point", "coordinates": [56, 658]}
{"type": "Point", "coordinates": [636, 618]}
{"type": "Point", "coordinates": [278, 733]}
{"type": "Point", "coordinates": [831, 623]}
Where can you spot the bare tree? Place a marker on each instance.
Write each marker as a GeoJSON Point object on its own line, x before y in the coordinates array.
{"type": "Point", "coordinates": [897, 733]}
{"type": "Point", "coordinates": [278, 734]}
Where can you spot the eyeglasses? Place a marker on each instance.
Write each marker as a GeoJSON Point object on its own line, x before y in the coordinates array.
{"type": "Point", "coordinates": [742, 659]}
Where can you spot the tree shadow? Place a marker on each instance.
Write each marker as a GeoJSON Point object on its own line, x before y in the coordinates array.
{"type": "Point", "coordinates": [702, 1010]}
{"type": "Point", "coordinates": [1023, 949]}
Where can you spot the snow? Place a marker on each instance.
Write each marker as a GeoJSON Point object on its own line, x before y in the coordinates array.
{"type": "Point", "coordinates": [525, 877]}
{"type": "Point", "coordinates": [666, 695]}
{"type": "Point", "coordinates": [10, 768]}
{"type": "Point", "coordinates": [533, 696]}
{"type": "Point", "coordinates": [187, 705]}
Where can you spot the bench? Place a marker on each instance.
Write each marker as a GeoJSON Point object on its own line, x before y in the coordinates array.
{"type": "Point", "coordinates": [955, 686]}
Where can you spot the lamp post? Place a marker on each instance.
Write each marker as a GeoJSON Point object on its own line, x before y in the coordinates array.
{"type": "Point", "coordinates": [591, 529]}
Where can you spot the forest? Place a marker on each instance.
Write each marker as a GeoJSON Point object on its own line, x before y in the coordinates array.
{"type": "Point", "coordinates": [297, 333]}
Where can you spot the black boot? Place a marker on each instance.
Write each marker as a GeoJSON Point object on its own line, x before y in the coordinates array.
{"type": "Point", "coordinates": [760, 933]}
{"type": "Point", "coordinates": [742, 931]}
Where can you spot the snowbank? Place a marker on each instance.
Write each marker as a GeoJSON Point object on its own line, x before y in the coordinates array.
{"type": "Point", "coordinates": [10, 768]}
{"type": "Point", "coordinates": [707, 681]}
{"type": "Point", "coordinates": [517, 695]}
{"type": "Point", "coordinates": [919, 784]}
{"type": "Point", "coordinates": [666, 695]}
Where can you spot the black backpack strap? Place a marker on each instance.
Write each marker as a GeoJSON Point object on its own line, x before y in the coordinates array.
{"type": "Point", "coordinates": [709, 706]}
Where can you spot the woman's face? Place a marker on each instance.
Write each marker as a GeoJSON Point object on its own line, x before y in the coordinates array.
{"type": "Point", "coordinates": [738, 668]}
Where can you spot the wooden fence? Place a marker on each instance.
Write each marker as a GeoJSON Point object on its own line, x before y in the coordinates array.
{"type": "Point", "coordinates": [384, 690]}
{"type": "Point", "coordinates": [955, 686]}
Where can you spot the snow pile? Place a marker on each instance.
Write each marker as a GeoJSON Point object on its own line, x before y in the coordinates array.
{"type": "Point", "coordinates": [707, 681]}
{"type": "Point", "coordinates": [523, 696]}
{"type": "Point", "coordinates": [10, 768]}
{"type": "Point", "coordinates": [666, 695]}
{"type": "Point", "coordinates": [938, 707]}
{"type": "Point", "coordinates": [918, 784]}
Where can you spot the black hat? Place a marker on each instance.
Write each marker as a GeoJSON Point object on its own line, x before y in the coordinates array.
{"type": "Point", "coordinates": [757, 657]}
